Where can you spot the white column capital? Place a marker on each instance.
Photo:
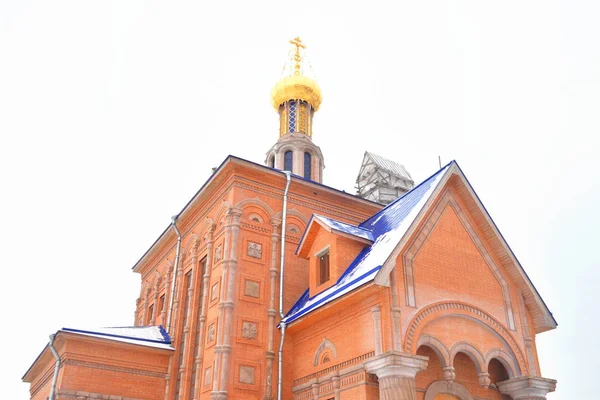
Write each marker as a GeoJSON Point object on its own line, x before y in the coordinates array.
{"type": "Point", "coordinates": [527, 387]}
{"type": "Point", "coordinates": [395, 363]}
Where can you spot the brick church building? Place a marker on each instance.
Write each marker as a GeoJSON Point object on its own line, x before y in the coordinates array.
{"type": "Point", "coordinates": [271, 285]}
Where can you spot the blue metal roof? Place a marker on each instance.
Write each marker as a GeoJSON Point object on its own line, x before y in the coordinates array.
{"type": "Point", "coordinates": [153, 336]}
{"type": "Point", "coordinates": [346, 228]}
{"type": "Point", "coordinates": [387, 228]}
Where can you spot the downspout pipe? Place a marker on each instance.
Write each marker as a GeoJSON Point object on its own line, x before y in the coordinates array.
{"type": "Point", "coordinates": [56, 367]}
{"type": "Point", "coordinates": [174, 273]}
{"type": "Point", "coordinates": [288, 175]}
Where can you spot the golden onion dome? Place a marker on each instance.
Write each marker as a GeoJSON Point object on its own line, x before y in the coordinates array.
{"type": "Point", "coordinates": [296, 87]}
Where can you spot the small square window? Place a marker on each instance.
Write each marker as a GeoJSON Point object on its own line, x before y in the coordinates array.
{"type": "Point", "coordinates": [323, 267]}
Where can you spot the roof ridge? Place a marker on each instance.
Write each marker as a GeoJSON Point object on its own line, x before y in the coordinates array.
{"type": "Point", "coordinates": [406, 194]}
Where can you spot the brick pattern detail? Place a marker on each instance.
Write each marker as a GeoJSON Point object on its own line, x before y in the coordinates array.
{"type": "Point", "coordinates": [448, 308]}
{"type": "Point", "coordinates": [449, 211]}
{"type": "Point", "coordinates": [254, 250]}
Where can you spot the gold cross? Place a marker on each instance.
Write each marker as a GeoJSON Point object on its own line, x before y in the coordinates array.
{"type": "Point", "coordinates": [297, 57]}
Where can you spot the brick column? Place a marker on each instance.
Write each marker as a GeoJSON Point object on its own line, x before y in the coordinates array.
{"type": "Point", "coordinates": [229, 303]}
{"type": "Point", "coordinates": [271, 312]}
{"type": "Point", "coordinates": [396, 372]}
{"type": "Point", "coordinates": [191, 328]}
{"type": "Point", "coordinates": [527, 388]}
{"type": "Point", "coordinates": [203, 310]}
{"type": "Point", "coordinates": [217, 349]}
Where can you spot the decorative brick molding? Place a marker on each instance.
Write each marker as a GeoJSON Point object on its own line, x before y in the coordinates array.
{"type": "Point", "coordinates": [396, 372]}
{"type": "Point", "coordinates": [448, 200]}
{"type": "Point", "coordinates": [333, 384]}
{"type": "Point", "coordinates": [443, 387]}
{"type": "Point", "coordinates": [527, 388]}
{"type": "Point", "coordinates": [325, 345]}
{"type": "Point", "coordinates": [438, 347]}
{"type": "Point", "coordinates": [357, 218]}
{"type": "Point", "coordinates": [79, 395]}
{"type": "Point", "coordinates": [436, 310]}
{"type": "Point", "coordinates": [113, 368]}
{"type": "Point", "coordinates": [336, 367]}
{"type": "Point", "coordinates": [257, 202]}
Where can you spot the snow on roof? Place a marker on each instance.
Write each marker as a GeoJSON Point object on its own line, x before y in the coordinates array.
{"type": "Point", "coordinates": [390, 166]}
{"type": "Point", "coordinates": [346, 228]}
{"type": "Point", "coordinates": [387, 228]}
{"type": "Point", "coordinates": [151, 336]}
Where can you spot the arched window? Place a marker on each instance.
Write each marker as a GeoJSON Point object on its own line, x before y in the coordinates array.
{"type": "Point", "coordinates": [307, 165]}
{"type": "Point", "coordinates": [272, 162]}
{"type": "Point", "coordinates": [288, 161]}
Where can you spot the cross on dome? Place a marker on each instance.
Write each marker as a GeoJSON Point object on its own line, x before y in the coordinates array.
{"type": "Point", "coordinates": [297, 57]}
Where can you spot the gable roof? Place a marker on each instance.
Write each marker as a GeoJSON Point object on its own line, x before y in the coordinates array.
{"type": "Point", "coordinates": [387, 227]}
{"type": "Point", "coordinates": [391, 228]}
{"type": "Point", "coordinates": [148, 336]}
{"type": "Point", "coordinates": [333, 226]}
{"type": "Point", "coordinates": [233, 160]}
{"type": "Point", "coordinates": [151, 336]}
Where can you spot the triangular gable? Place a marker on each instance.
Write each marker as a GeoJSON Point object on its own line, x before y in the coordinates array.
{"type": "Point", "coordinates": [543, 319]}
{"type": "Point", "coordinates": [388, 227]}
{"type": "Point", "coordinates": [333, 226]}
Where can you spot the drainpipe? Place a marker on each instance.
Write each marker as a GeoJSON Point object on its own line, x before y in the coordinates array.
{"type": "Point", "coordinates": [174, 273]}
{"type": "Point", "coordinates": [56, 367]}
{"type": "Point", "coordinates": [282, 268]}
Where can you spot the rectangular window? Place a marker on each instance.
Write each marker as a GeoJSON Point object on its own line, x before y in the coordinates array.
{"type": "Point", "coordinates": [162, 303]}
{"type": "Point", "coordinates": [323, 267]}
{"type": "Point", "coordinates": [151, 315]}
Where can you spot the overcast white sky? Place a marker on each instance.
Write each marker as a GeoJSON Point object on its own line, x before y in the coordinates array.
{"type": "Point", "coordinates": [112, 114]}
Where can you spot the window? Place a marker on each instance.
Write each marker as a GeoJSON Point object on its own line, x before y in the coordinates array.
{"type": "Point", "coordinates": [162, 303]}
{"type": "Point", "coordinates": [323, 267]}
{"type": "Point", "coordinates": [272, 162]}
{"type": "Point", "coordinates": [307, 165]}
{"type": "Point", "coordinates": [288, 161]}
{"type": "Point", "coordinates": [151, 315]}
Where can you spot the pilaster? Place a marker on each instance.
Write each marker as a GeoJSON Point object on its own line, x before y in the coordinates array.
{"type": "Point", "coordinates": [396, 372]}
{"type": "Point", "coordinates": [271, 313]}
{"type": "Point", "coordinates": [203, 309]}
{"type": "Point", "coordinates": [232, 260]}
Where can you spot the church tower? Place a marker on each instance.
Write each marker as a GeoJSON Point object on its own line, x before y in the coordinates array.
{"type": "Point", "coordinates": [296, 97]}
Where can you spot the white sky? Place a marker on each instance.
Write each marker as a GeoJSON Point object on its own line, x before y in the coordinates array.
{"type": "Point", "coordinates": [112, 114]}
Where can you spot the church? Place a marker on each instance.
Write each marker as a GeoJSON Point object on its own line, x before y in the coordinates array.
{"type": "Point", "coordinates": [270, 284]}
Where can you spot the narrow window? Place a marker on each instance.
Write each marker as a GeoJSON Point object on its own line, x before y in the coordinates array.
{"type": "Point", "coordinates": [324, 268]}
{"type": "Point", "coordinates": [272, 162]}
{"type": "Point", "coordinates": [288, 161]}
{"type": "Point", "coordinates": [162, 303]}
{"type": "Point", "coordinates": [151, 315]}
{"type": "Point", "coordinates": [307, 165]}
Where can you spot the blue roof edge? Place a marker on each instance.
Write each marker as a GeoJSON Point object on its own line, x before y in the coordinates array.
{"type": "Point", "coordinates": [116, 336]}
{"type": "Point", "coordinates": [407, 193]}
{"type": "Point", "coordinates": [313, 306]}
{"type": "Point", "coordinates": [505, 241]}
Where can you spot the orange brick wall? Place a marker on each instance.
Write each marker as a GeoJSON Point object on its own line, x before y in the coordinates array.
{"type": "Point", "coordinates": [449, 266]}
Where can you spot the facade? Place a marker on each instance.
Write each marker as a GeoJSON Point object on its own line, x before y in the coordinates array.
{"type": "Point", "coordinates": [420, 299]}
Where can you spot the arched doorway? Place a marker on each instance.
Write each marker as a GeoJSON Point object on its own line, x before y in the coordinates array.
{"type": "Point", "coordinates": [445, 396]}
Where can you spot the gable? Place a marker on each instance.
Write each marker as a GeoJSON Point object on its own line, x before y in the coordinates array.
{"type": "Point", "coordinates": [449, 261]}
{"type": "Point", "coordinates": [506, 260]}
